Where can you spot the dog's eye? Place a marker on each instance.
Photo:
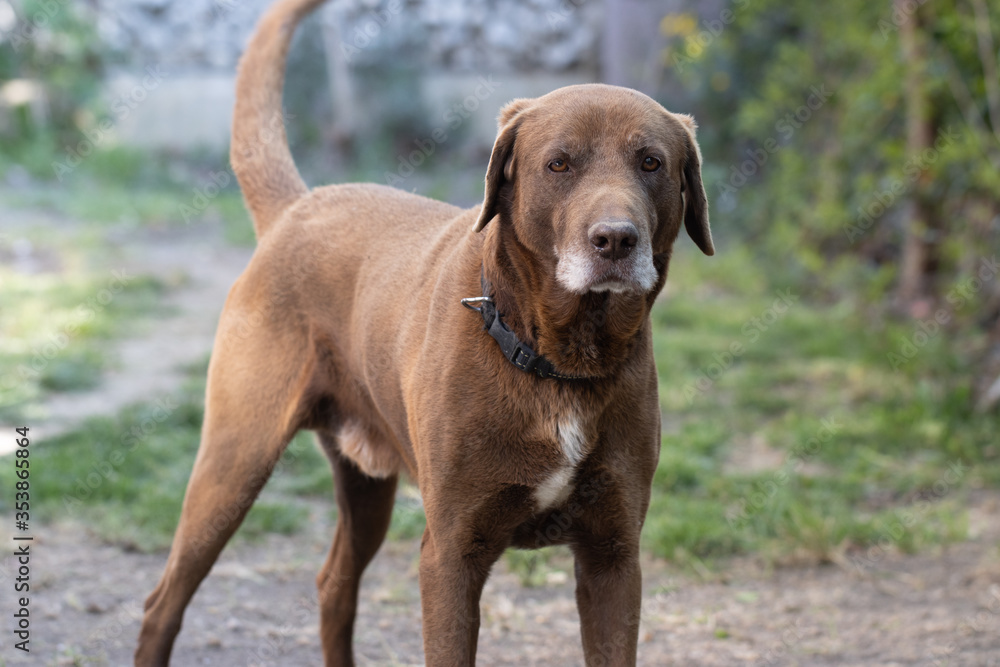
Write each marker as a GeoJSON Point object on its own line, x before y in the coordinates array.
{"type": "Point", "coordinates": [650, 164]}
{"type": "Point", "coordinates": [558, 165]}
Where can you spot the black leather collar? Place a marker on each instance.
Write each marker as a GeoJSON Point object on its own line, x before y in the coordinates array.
{"type": "Point", "coordinates": [516, 351]}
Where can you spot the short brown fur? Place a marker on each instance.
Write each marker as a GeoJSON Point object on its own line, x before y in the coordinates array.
{"type": "Point", "coordinates": [347, 322]}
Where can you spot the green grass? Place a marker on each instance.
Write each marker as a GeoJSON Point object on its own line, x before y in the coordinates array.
{"type": "Point", "coordinates": [133, 189]}
{"type": "Point", "coordinates": [408, 519]}
{"type": "Point", "coordinates": [125, 476]}
{"type": "Point", "coordinates": [55, 326]}
{"type": "Point", "coordinates": [857, 449]}
{"type": "Point", "coordinates": [540, 567]}
{"type": "Point", "coordinates": [128, 188]}
{"type": "Point", "coordinates": [107, 203]}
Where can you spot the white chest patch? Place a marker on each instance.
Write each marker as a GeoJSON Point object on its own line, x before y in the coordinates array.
{"type": "Point", "coordinates": [571, 439]}
{"type": "Point", "coordinates": [558, 486]}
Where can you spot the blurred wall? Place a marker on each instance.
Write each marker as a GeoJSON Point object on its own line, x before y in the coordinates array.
{"type": "Point", "coordinates": [444, 48]}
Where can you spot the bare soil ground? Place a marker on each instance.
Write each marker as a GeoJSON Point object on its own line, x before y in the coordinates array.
{"type": "Point", "coordinates": [257, 607]}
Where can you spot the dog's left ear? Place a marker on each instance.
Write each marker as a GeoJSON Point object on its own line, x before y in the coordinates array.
{"type": "Point", "coordinates": [695, 199]}
{"type": "Point", "coordinates": [501, 169]}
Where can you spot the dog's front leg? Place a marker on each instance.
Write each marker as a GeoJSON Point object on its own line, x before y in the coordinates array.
{"type": "Point", "coordinates": [609, 597]}
{"type": "Point", "coordinates": [453, 570]}
{"type": "Point", "coordinates": [468, 527]}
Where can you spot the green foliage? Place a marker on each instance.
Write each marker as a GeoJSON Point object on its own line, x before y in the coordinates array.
{"type": "Point", "coordinates": [806, 138]}
{"type": "Point", "coordinates": [531, 567]}
{"type": "Point", "coordinates": [53, 44]}
{"type": "Point", "coordinates": [408, 520]}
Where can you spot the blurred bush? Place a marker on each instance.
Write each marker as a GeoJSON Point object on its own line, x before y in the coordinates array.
{"type": "Point", "coordinates": [51, 67]}
{"type": "Point", "coordinates": [857, 145]}
{"type": "Point", "coordinates": [808, 114]}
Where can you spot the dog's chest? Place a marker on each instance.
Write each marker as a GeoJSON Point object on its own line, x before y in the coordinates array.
{"type": "Point", "coordinates": [571, 434]}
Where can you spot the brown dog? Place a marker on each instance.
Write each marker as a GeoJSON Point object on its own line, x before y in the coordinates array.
{"type": "Point", "coordinates": [349, 321]}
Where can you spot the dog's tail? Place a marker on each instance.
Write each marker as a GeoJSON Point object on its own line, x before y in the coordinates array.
{"type": "Point", "coordinates": [259, 152]}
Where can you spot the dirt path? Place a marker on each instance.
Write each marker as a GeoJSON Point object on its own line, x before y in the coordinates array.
{"type": "Point", "coordinates": [257, 608]}
{"type": "Point", "coordinates": [199, 269]}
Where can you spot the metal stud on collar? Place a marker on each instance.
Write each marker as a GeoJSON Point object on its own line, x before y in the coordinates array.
{"type": "Point", "coordinates": [476, 299]}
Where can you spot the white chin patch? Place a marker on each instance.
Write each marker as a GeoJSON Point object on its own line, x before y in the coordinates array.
{"type": "Point", "coordinates": [615, 286]}
{"type": "Point", "coordinates": [576, 271]}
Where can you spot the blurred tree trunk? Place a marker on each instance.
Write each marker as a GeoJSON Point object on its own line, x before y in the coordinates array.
{"type": "Point", "coordinates": [922, 219]}
{"type": "Point", "coordinates": [986, 384]}
{"type": "Point", "coordinates": [632, 45]}
{"type": "Point", "coordinates": [345, 120]}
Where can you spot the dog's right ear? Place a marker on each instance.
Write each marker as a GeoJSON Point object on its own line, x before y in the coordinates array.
{"type": "Point", "coordinates": [501, 169]}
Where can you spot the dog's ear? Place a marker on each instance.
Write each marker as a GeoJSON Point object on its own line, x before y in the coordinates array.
{"type": "Point", "coordinates": [501, 169]}
{"type": "Point", "coordinates": [695, 200]}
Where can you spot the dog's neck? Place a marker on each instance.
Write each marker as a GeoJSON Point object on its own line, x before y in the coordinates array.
{"type": "Point", "coordinates": [590, 335]}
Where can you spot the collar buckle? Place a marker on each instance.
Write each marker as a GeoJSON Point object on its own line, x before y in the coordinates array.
{"type": "Point", "coordinates": [467, 302]}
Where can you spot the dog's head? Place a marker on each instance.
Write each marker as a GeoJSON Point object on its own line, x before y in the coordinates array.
{"type": "Point", "coordinates": [595, 181]}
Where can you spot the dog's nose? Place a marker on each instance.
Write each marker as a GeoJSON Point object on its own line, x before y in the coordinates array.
{"type": "Point", "coordinates": [614, 240]}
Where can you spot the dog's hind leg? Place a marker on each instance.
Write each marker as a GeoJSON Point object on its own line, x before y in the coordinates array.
{"type": "Point", "coordinates": [364, 506]}
{"type": "Point", "coordinates": [255, 383]}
